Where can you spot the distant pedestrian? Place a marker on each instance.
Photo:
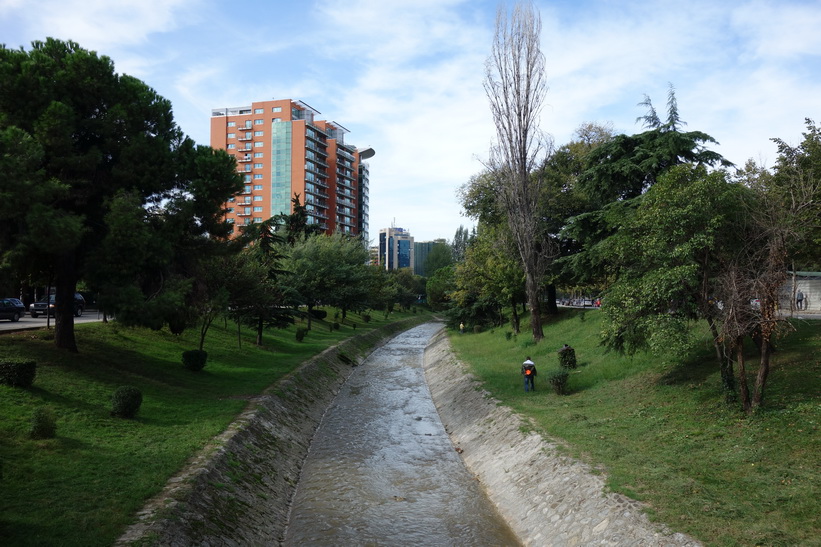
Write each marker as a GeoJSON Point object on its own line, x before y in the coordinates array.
{"type": "Point", "coordinates": [461, 328]}
{"type": "Point", "coordinates": [799, 300]}
{"type": "Point", "coordinates": [529, 374]}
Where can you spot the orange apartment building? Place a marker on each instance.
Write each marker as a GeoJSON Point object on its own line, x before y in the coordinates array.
{"type": "Point", "coordinates": [281, 150]}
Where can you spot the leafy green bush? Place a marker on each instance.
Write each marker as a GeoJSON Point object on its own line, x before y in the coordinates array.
{"type": "Point", "coordinates": [558, 379]}
{"type": "Point", "coordinates": [300, 333]}
{"type": "Point", "coordinates": [319, 314]}
{"type": "Point", "coordinates": [335, 325]}
{"type": "Point", "coordinates": [126, 401]}
{"type": "Point", "coordinates": [366, 317]}
{"type": "Point", "coordinates": [508, 335]}
{"type": "Point", "coordinates": [194, 359]}
{"type": "Point", "coordinates": [43, 423]}
{"type": "Point", "coordinates": [567, 357]}
{"type": "Point", "coordinates": [17, 372]}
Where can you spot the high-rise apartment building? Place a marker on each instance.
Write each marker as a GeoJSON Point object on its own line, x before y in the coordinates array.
{"type": "Point", "coordinates": [281, 150]}
{"type": "Point", "coordinates": [395, 248]}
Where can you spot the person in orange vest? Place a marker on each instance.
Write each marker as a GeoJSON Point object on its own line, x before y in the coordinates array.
{"type": "Point", "coordinates": [529, 374]}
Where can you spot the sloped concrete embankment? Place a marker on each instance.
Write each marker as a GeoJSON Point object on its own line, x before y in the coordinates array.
{"type": "Point", "coordinates": [237, 491]}
{"type": "Point", "coordinates": [547, 498]}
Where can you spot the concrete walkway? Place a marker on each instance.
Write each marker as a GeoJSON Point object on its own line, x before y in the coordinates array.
{"type": "Point", "coordinates": [548, 499]}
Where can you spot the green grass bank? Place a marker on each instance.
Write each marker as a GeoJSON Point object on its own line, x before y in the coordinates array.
{"type": "Point", "coordinates": [84, 486]}
{"type": "Point", "coordinates": [660, 430]}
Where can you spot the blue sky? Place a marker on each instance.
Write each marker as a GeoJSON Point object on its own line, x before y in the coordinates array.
{"type": "Point", "coordinates": [405, 77]}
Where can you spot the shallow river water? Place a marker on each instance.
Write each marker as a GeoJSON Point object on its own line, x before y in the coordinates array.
{"type": "Point", "coordinates": [382, 470]}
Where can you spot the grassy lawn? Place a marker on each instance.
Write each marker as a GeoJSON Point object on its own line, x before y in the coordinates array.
{"type": "Point", "coordinates": [660, 430]}
{"type": "Point", "coordinates": [84, 486]}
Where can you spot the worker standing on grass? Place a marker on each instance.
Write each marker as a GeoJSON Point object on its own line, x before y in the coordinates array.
{"type": "Point", "coordinates": [529, 374]}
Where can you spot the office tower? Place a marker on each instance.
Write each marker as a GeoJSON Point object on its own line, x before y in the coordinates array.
{"type": "Point", "coordinates": [282, 149]}
{"type": "Point", "coordinates": [395, 248]}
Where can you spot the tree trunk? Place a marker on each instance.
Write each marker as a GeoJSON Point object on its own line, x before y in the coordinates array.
{"type": "Point", "coordinates": [725, 362]}
{"type": "Point", "coordinates": [532, 288]}
{"type": "Point", "coordinates": [742, 374]}
{"type": "Point", "coordinates": [65, 285]}
{"type": "Point", "coordinates": [552, 308]}
{"type": "Point", "coordinates": [763, 371]}
{"type": "Point", "coordinates": [260, 326]}
{"type": "Point", "coordinates": [514, 316]}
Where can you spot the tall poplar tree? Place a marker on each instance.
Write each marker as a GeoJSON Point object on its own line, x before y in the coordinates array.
{"type": "Point", "coordinates": [516, 87]}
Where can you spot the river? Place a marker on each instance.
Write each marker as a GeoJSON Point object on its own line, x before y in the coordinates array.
{"type": "Point", "coordinates": [381, 469]}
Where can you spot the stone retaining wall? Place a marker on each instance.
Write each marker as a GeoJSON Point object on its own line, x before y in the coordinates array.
{"type": "Point", "coordinates": [547, 498]}
{"type": "Point", "coordinates": [238, 490]}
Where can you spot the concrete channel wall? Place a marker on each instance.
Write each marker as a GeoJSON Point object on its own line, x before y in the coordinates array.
{"type": "Point", "coordinates": [547, 499]}
{"type": "Point", "coordinates": [237, 491]}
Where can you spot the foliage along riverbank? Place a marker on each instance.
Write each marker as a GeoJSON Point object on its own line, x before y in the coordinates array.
{"type": "Point", "coordinates": [659, 427]}
{"type": "Point", "coordinates": [85, 485]}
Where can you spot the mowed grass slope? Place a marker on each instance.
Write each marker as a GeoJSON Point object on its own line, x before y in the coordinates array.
{"type": "Point", "coordinates": [84, 486]}
{"type": "Point", "coordinates": [661, 431]}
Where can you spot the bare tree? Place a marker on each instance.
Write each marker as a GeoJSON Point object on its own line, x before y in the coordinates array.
{"type": "Point", "coordinates": [516, 87]}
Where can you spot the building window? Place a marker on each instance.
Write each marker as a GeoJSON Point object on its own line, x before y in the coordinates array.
{"type": "Point", "coordinates": [230, 221]}
{"type": "Point", "coordinates": [276, 109]}
{"type": "Point", "coordinates": [258, 111]}
{"type": "Point", "coordinates": [248, 188]}
{"type": "Point", "coordinates": [257, 166]}
{"type": "Point", "coordinates": [257, 198]}
{"type": "Point", "coordinates": [232, 124]}
{"type": "Point", "coordinates": [232, 146]}
{"type": "Point", "coordinates": [232, 200]}
{"type": "Point", "coordinates": [257, 209]}
{"type": "Point", "coordinates": [258, 176]}
{"type": "Point", "coordinates": [248, 134]}
{"type": "Point", "coordinates": [257, 220]}
{"type": "Point", "coordinates": [230, 210]}
{"type": "Point", "coordinates": [259, 154]}
{"type": "Point", "coordinates": [258, 133]}
{"type": "Point", "coordinates": [232, 135]}
{"type": "Point", "coordinates": [259, 144]}
{"type": "Point", "coordinates": [246, 178]}
{"type": "Point", "coordinates": [258, 122]}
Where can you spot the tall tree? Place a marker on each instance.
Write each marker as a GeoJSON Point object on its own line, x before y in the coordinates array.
{"type": "Point", "coordinates": [516, 87]}
{"type": "Point", "coordinates": [441, 255]}
{"type": "Point", "coordinates": [96, 134]}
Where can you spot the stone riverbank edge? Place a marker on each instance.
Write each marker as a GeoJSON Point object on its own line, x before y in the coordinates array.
{"type": "Point", "coordinates": [548, 499]}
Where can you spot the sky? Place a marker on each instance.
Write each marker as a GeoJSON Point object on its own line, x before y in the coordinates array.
{"type": "Point", "coordinates": [405, 77]}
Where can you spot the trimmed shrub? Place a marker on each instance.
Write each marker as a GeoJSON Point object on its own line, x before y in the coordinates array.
{"type": "Point", "coordinates": [43, 423]}
{"type": "Point", "coordinates": [126, 401]}
{"type": "Point", "coordinates": [335, 325]}
{"type": "Point", "coordinates": [366, 317]}
{"type": "Point", "coordinates": [300, 333]}
{"type": "Point", "coordinates": [194, 359]}
{"type": "Point", "coordinates": [477, 329]}
{"type": "Point", "coordinates": [319, 314]}
{"type": "Point", "coordinates": [558, 379]}
{"type": "Point", "coordinates": [17, 372]}
{"type": "Point", "coordinates": [567, 357]}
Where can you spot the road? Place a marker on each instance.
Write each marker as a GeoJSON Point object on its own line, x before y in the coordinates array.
{"type": "Point", "coordinates": [28, 322]}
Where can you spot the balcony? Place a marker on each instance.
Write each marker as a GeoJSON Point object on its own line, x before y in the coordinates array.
{"type": "Point", "coordinates": [243, 160]}
{"type": "Point", "coordinates": [243, 138]}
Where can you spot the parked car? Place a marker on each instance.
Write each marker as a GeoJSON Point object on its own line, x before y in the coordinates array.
{"type": "Point", "coordinates": [11, 308]}
{"type": "Point", "coordinates": [46, 306]}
